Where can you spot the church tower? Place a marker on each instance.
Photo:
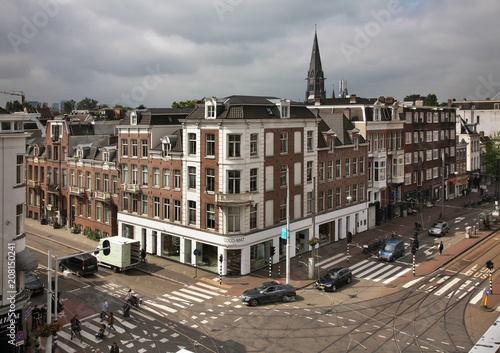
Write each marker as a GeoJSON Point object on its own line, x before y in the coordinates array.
{"type": "Point", "coordinates": [315, 79]}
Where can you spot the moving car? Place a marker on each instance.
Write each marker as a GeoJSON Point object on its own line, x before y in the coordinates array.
{"type": "Point", "coordinates": [392, 249]}
{"type": "Point", "coordinates": [268, 292]}
{"type": "Point", "coordinates": [81, 264]}
{"type": "Point", "coordinates": [334, 278]}
{"type": "Point", "coordinates": [33, 283]}
{"type": "Point", "coordinates": [439, 229]}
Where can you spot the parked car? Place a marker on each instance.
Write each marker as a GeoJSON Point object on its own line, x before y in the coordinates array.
{"type": "Point", "coordinates": [33, 283]}
{"type": "Point", "coordinates": [334, 278]}
{"type": "Point", "coordinates": [82, 264]}
{"type": "Point", "coordinates": [439, 229]}
{"type": "Point", "coordinates": [267, 292]}
{"type": "Point", "coordinates": [392, 249]}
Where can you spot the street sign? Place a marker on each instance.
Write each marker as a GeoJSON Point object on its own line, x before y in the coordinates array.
{"type": "Point", "coordinates": [395, 194]}
{"type": "Point", "coordinates": [487, 292]}
{"type": "Point", "coordinates": [283, 233]}
{"type": "Point", "coordinates": [196, 252]}
{"type": "Point", "coordinates": [20, 336]}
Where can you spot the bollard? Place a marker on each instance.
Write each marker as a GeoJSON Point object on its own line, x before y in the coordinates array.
{"type": "Point", "coordinates": [474, 230]}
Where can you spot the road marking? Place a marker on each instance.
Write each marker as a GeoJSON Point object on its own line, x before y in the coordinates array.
{"type": "Point", "coordinates": [211, 287]}
{"type": "Point", "coordinates": [184, 290]}
{"type": "Point", "coordinates": [371, 269]}
{"type": "Point", "coordinates": [387, 274]}
{"type": "Point", "coordinates": [358, 264]}
{"type": "Point", "coordinates": [411, 283]}
{"type": "Point", "coordinates": [361, 268]}
{"type": "Point", "coordinates": [443, 279]}
{"type": "Point", "coordinates": [196, 288]}
{"type": "Point", "coordinates": [326, 263]}
{"type": "Point", "coordinates": [160, 306]}
{"type": "Point", "coordinates": [396, 276]}
{"type": "Point", "coordinates": [477, 298]}
{"type": "Point", "coordinates": [447, 286]}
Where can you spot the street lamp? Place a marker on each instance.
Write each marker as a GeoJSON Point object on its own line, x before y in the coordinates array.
{"type": "Point", "coordinates": [443, 185]}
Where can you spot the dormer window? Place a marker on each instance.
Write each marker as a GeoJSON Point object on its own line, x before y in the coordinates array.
{"type": "Point", "coordinates": [55, 130]}
{"type": "Point", "coordinates": [210, 108]}
{"type": "Point", "coordinates": [377, 114]}
{"type": "Point", "coordinates": [105, 156]}
{"type": "Point", "coordinates": [79, 153]}
{"type": "Point", "coordinates": [284, 105]}
{"type": "Point", "coordinates": [133, 118]}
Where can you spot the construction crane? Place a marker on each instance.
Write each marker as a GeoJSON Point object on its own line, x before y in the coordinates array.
{"type": "Point", "coordinates": [16, 93]}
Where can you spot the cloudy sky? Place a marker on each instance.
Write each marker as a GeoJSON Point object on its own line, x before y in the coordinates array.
{"type": "Point", "coordinates": [155, 52]}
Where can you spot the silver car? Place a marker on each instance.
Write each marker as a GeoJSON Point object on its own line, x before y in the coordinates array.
{"type": "Point", "coordinates": [439, 229]}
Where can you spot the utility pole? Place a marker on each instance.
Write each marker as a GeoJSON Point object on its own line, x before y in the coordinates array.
{"type": "Point", "coordinates": [287, 225]}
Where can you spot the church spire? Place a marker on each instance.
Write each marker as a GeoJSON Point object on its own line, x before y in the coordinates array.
{"type": "Point", "coordinates": [315, 79]}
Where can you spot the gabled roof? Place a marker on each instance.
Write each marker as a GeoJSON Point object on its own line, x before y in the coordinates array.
{"type": "Point", "coordinates": [339, 124]}
{"type": "Point", "coordinates": [158, 116]}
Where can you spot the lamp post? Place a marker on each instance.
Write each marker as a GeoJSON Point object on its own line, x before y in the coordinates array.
{"type": "Point", "coordinates": [287, 225]}
{"type": "Point", "coordinates": [442, 185]}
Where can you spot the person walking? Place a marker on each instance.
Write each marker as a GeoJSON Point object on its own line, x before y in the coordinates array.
{"type": "Point", "coordinates": [104, 310]}
{"type": "Point", "coordinates": [441, 248]}
{"type": "Point", "coordinates": [114, 348]}
{"type": "Point", "coordinates": [126, 309]}
{"type": "Point", "coordinates": [111, 322]}
{"type": "Point", "coordinates": [35, 318]}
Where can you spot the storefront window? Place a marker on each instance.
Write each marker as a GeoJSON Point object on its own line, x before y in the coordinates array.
{"type": "Point", "coordinates": [259, 255]}
{"type": "Point", "coordinates": [301, 239]}
{"type": "Point", "coordinates": [170, 246]}
{"type": "Point", "coordinates": [207, 259]}
{"type": "Point", "coordinates": [233, 262]}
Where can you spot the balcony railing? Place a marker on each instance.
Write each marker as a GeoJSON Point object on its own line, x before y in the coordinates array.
{"type": "Point", "coordinates": [33, 183]}
{"type": "Point", "coordinates": [133, 188]}
{"type": "Point", "coordinates": [233, 199]}
{"type": "Point", "coordinates": [76, 190]}
{"type": "Point", "coordinates": [53, 188]}
{"type": "Point", "coordinates": [102, 196]}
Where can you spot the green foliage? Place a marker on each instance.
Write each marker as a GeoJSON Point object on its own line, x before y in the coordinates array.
{"type": "Point", "coordinates": [68, 106]}
{"type": "Point", "coordinates": [87, 103]}
{"type": "Point", "coordinates": [412, 97]}
{"type": "Point", "coordinates": [14, 106]}
{"type": "Point", "coordinates": [184, 104]}
{"type": "Point", "coordinates": [92, 235]}
{"type": "Point", "coordinates": [141, 107]}
{"type": "Point", "coordinates": [491, 156]}
{"type": "Point", "coordinates": [431, 100]}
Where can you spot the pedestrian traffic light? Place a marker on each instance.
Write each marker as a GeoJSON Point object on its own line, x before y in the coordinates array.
{"type": "Point", "coordinates": [273, 250]}
{"type": "Point", "coordinates": [416, 243]}
{"type": "Point", "coordinates": [414, 247]}
{"type": "Point", "coordinates": [489, 265]}
{"type": "Point", "coordinates": [221, 258]}
{"type": "Point", "coordinates": [349, 237]}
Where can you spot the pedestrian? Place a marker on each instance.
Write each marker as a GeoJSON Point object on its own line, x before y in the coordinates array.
{"type": "Point", "coordinates": [441, 248]}
{"type": "Point", "coordinates": [126, 309]}
{"type": "Point", "coordinates": [104, 310]}
{"type": "Point", "coordinates": [35, 318]}
{"type": "Point", "coordinates": [114, 348]}
{"type": "Point", "coordinates": [111, 322]}
{"type": "Point", "coordinates": [38, 344]}
{"type": "Point", "coordinates": [97, 350]}
{"type": "Point", "coordinates": [43, 312]}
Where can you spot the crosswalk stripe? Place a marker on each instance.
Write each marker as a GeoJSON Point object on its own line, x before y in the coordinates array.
{"type": "Point", "coordinates": [195, 293]}
{"type": "Point", "coordinates": [330, 264]}
{"type": "Point", "coordinates": [217, 289]}
{"type": "Point", "coordinates": [65, 348]}
{"type": "Point", "coordinates": [371, 269]}
{"type": "Point", "coordinates": [411, 283]}
{"type": "Point", "coordinates": [202, 290]}
{"type": "Point", "coordinates": [361, 268]}
{"type": "Point", "coordinates": [182, 295]}
{"type": "Point", "coordinates": [447, 286]}
{"type": "Point", "coordinates": [399, 274]}
{"type": "Point", "coordinates": [477, 298]}
{"type": "Point", "coordinates": [160, 306]}
{"type": "Point", "coordinates": [358, 264]}
{"type": "Point", "coordinates": [387, 274]}
{"type": "Point", "coordinates": [325, 263]}
{"type": "Point", "coordinates": [67, 337]}
{"type": "Point", "coordinates": [127, 324]}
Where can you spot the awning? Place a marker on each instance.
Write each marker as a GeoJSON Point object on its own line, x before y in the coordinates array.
{"type": "Point", "coordinates": [26, 261]}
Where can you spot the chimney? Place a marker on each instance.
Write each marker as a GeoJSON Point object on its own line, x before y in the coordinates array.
{"type": "Point", "coordinates": [449, 102]}
{"type": "Point", "coordinates": [419, 103]}
{"type": "Point", "coordinates": [347, 113]}
{"type": "Point", "coordinates": [487, 98]}
{"type": "Point", "coordinates": [481, 133]}
{"type": "Point", "coordinates": [381, 99]}
{"type": "Point", "coordinates": [389, 100]}
{"type": "Point", "coordinates": [317, 100]}
{"type": "Point", "coordinates": [352, 98]}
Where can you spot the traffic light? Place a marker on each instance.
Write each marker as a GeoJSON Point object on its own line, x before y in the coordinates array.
{"type": "Point", "coordinates": [416, 243]}
{"type": "Point", "coordinates": [349, 237]}
{"type": "Point", "coordinates": [221, 258]}
{"type": "Point", "coordinates": [489, 265]}
{"type": "Point", "coordinates": [273, 250]}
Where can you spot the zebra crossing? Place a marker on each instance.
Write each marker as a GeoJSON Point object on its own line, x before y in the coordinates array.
{"type": "Point", "coordinates": [447, 287]}
{"type": "Point", "coordinates": [375, 271]}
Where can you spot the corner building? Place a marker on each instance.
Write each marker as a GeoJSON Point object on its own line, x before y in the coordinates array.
{"type": "Point", "coordinates": [217, 183]}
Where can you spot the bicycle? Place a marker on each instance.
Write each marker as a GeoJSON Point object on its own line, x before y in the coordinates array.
{"type": "Point", "coordinates": [77, 333]}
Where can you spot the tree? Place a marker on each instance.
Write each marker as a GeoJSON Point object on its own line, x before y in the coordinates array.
{"type": "Point", "coordinates": [491, 158]}
{"type": "Point", "coordinates": [141, 107]}
{"type": "Point", "coordinates": [184, 104]}
{"type": "Point", "coordinates": [68, 106]}
{"type": "Point", "coordinates": [14, 106]}
{"type": "Point", "coordinates": [431, 100]}
{"type": "Point", "coordinates": [87, 103]}
{"type": "Point", "coordinates": [412, 97]}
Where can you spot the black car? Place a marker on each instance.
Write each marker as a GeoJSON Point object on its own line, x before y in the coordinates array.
{"type": "Point", "coordinates": [334, 278]}
{"type": "Point", "coordinates": [33, 284]}
{"type": "Point", "coordinates": [81, 264]}
{"type": "Point", "coordinates": [267, 292]}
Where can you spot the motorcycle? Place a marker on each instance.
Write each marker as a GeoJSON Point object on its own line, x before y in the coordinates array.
{"type": "Point", "coordinates": [135, 301]}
